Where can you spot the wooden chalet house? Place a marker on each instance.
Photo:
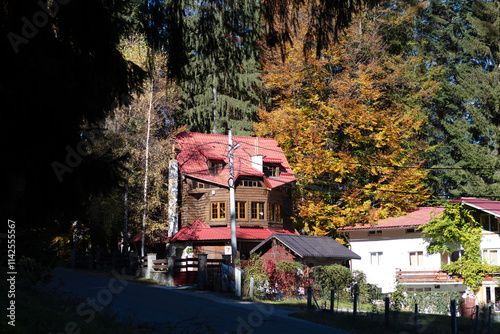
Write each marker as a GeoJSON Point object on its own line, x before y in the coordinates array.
{"type": "Point", "coordinates": [263, 180]}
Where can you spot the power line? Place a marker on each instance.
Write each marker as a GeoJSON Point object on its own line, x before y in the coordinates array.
{"type": "Point", "coordinates": [374, 165]}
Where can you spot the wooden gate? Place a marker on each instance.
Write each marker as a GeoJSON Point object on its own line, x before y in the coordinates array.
{"type": "Point", "coordinates": [186, 271]}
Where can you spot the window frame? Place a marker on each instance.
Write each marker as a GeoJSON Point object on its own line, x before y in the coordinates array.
{"type": "Point", "coordinates": [272, 170]}
{"type": "Point", "coordinates": [240, 210]}
{"type": "Point", "coordinates": [487, 258]}
{"type": "Point", "coordinates": [378, 257]}
{"type": "Point", "coordinates": [215, 166]}
{"type": "Point", "coordinates": [259, 209]}
{"type": "Point", "coordinates": [220, 207]}
{"type": "Point", "coordinates": [419, 256]}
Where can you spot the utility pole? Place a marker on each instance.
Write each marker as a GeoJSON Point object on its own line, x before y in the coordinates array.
{"type": "Point", "coordinates": [232, 208]}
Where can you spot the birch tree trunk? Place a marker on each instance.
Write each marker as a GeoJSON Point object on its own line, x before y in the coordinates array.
{"type": "Point", "coordinates": [146, 171]}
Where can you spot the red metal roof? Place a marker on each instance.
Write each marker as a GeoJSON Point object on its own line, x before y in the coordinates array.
{"type": "Point", "coordinates": [486, 205]}
{"type": "Point", "coordinates": [412, 219]}
{"type": "Point", "coordinates": [198, 231]}
{"type": "Point", "coordinates": [195, 148]}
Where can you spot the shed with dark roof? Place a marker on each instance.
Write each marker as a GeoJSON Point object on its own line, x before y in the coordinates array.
{"type": "Point", "coordinates": [308, 250]}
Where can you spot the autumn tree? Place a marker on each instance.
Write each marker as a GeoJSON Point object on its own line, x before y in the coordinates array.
{"type": "Point", "coordinates": [126, 136]}
{"type": "Point", "coordinates": [348, 121]}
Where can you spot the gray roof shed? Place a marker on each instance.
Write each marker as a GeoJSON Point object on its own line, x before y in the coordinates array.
{"type": "Point", "coordinates": [305, 246]}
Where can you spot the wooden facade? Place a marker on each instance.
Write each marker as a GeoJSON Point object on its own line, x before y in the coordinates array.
{"type": "Point", "coordinates": [271, 207]}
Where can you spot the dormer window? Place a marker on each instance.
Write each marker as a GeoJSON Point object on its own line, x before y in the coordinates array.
{"type": "Point", "coordinates": [250, 183]}
{"type": "Point", "coordinates": [215, 166]}
{"type": "Point", "coordinates": [272, 170]}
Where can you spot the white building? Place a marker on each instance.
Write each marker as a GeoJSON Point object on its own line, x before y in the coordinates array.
{"type": "Point", "coordinates": [394, 249]}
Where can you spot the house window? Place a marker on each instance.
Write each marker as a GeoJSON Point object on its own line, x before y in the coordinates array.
{"type": "Point", "coordinates": [456, 255]}
{"type": "Point", "coordinates": [250, 183]}
{"type": "Point", "coordinates": [274, 212]}
{"type": "Point", "coordinates": [490, 223]}
{"type": "Point", "coordinates": [378, 232]}
{"type": "Point", "coordinates": [258, 210]}
{"type": "Point", "coordinates": [270, 212]}
{"type": "Point", "coordinates": [491, 256]}
{"type": "Point", "coordinates": [241, 210]}
{"type": "Point", "coordinates": [218, 210]}
{"type": "Point", "coordinates": [199, 185]}
{"type": "Point", "coordinates": [214, 167]}
{"type": "Point", "coordinates": [272, 170]}
{"type": "Point", "coordinates": [416, 259]}
{"type": "Point", "coordinates": [410, 230]}
{"type": "Point", "coordinates": [376, 258]}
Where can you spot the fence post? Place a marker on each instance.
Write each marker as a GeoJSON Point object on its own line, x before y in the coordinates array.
{"type": "Point", "coordinates": [355, 305]}
{"type": "Point", "coordinates": [309, 298]}
{"type": "Point", "coordinates": [151, 257]}
{"type": "Point", "coordinates": [73, 258]}
{"type": "Point", "coordinates": [202, 270]}
{"type": "Point", "coordinates": [489, 320]}
{"type": "Point", "coordinates": [332, 300]}
{"type": "Point", "coordinates": [453, 312]}
{"type": "Point", "coordinates": [237, 281]}
{"type": "Point", "coordinates": [91, 259]}
{"type": "Point", "coordinates": [171, 268]}
{"type": "Point", "coordinates": [386, 315]}
{"type": "Point", "coordinates": [416, 318]}
{"type": "Point", "coordinates": [252, 282]}
{"type": "Point", "coordinates": [476, 321]}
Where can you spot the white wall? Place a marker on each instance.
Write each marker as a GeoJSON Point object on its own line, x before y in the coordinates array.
{"type": "Point", "coordinates": [395, 246]}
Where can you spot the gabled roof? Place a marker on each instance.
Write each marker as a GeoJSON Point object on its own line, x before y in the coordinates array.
{"type": "Point", "coordinates": [415, 218]}
{"type": "Point", "coordinates": [198, 231]}
{"type": "Point", "coordinates": [193, 150]}
{"type": "Point", "coordinates": [309, 246]}
{"type": "Point", "coordinates": [485, 205]}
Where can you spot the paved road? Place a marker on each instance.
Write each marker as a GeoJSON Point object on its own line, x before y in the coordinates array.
{"type": "Point", "coordinates": [176, 310]}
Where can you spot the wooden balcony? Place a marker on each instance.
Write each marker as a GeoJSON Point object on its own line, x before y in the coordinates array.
{"type": "Point", "coordinates": [425, 276]}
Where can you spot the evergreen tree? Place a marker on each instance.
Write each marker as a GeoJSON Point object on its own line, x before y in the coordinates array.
{"type": "Point", "coordinates": [220, 77]}
{"type": "Point", "coordinates": [462, 38]}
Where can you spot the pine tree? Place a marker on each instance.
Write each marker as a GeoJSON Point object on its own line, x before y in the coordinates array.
{"type": "Point", "coordinates": [463, 37]}
{"type": "Point", "coordinates": [221, 74]}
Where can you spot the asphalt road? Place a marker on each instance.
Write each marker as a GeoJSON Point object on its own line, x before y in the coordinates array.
{"type": "Point", "coordinates": [177, 310]}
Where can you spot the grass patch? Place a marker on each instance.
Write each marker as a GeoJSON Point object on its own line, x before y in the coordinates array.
{"type": "Point", "coordinates": [400, 322]}
{"type": "Point", "coordinates": [323, 303]}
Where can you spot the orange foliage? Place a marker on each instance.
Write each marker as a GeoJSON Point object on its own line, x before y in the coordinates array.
{"type": "Point", "coordinates": [348, 121]}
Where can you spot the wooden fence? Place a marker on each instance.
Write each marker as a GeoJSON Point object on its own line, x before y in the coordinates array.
{"type": "Point", "coordinates": [204, 272]}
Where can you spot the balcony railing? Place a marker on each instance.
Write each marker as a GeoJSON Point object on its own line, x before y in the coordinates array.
{"type": "Point", "coordinates": [425, 276]}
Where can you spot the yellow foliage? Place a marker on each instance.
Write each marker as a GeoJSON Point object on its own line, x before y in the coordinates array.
{"type": "Point", "coordinates": [347, 122]}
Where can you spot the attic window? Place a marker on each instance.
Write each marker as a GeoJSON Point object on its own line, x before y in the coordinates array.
{"type": "Point", "coordinates": [200, 185]}
{"type": "Point", "coordinates": [272, 170]}
{"type": "Point", "coordinates": [215, 166]}
{"type": "Point", "coordinates": [250, 183]}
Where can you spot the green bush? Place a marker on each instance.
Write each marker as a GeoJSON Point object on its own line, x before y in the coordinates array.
{"type": "Point", "coordinates": [256, 268]}
{"type": "Point", "coordinates": [333, 277]}
{"type": "Point", "coordinates": [434, 302]}
{"type": "Point", "coordinates": [32, 273]}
